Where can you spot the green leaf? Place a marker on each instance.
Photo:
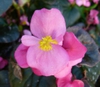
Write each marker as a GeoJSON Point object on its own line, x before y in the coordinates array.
{"type": "Point", "coordinates": [8, 33]}
{"type": "Point", "coordinates": [92, 56]}
{"type": "Point", "coordinates": [4, 5]}
{"type": "Point", "coordinates": [4, 82]}
{"type": "Point", "coordinates": [29, 79]}
{"type": "Point", "coordinates": [86, 84]}
{"type": "Point", "coordinates": [77, 72]}
{"type": "Point", "coordinates": [93, 74]}
{"type": "Point", "coordinates": [71, 14]}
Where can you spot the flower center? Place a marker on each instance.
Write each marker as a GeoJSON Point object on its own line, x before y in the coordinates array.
{"type": "Point", "coordinates": [45, 43]}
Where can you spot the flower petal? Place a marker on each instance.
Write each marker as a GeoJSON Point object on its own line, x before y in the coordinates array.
{"type": "Point", "coordinates": [3, 63]}
{"type": "Point", "coordinates": [20, 56]}
{"type": "Point", "coordinates": [93, 13]}
{"type": "Point", "coordinates": [27, 32]}
{"type": "Point", "coordinates": [46, 22]}
{"type": "Point", "coordinates": [64, 82]}
{"type": "Point", "coordinates": [86, 3]}
{"type": "Point", "coordinates": [96, 20]}
{"type": "Point", "coordinates": [64, 72]}
{"type": "Point", "coordinates": [75, 62]}
{"type": "Point", "coordinates": [37, 72]}
{"type": "Point", "coordinates": [28, 40]}
{"type": "Point", "coordinates": [79, 2]}
{"type": "Point", "coordinates": [73, 46]}
{"type": "Point", "coordinates": [77, 83]}
{"type": "Point", "coordinates": [67, 82]}
{"type": "Point", "coordinates": [47, 62]}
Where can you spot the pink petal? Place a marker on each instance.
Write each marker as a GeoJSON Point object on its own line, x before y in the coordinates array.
{"type": "Point", "coordinates": [96, 1]}
{"type": "Point", "coordinates": [47, 62]}
{"type": "Point", "coordinates": [77, 83]}
{"type": "Point", "coordinates": [71, 1]}
{"type": "Point", "coordinates": [73, 46]}
{"type": "Point", "coordinates": [46, 22]}
{"type": "Point", "coordinates": [27, 32]}
{"type": "Point", "coordinates": [79, 2]}
{"type": "Point", "coordinates": [28, 40]}
{"type": "Point", "coordinates": [37, 72]}
{"type": "Point", "coordinates": [93, 13]}
{"type": "Point", "coordinates": [3, 63]}
{"type": "Point", "coordinates": [96, 20]}
{"type": "Point", "coordinates": [20, 56]}
{"type": "Point", "coordinates": [64, 72]}
{"type": "Point", "coordinates": [63, 82]}
{"type": "Point", "coordinates": [24, 20]}
{"type": "Point", "coordinates": [87, 3]}
{"type": "Point", "coordinates": [67, 82]}
{"type": "Point", "coordinates": [75, 62]}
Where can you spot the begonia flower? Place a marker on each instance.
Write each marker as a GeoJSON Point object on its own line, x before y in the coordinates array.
{"type": "Point", "coordinates": [3, 63]}
{"type": "Point", "coordinates": [43, 52]}
{"type": "Point", "coordinates": [68, 82]}
{"type": "Point", "coordinates": [71, 1]}
{"type": "Point", "coordinates": [96, 1]}
{"type": "Point", "coordinates": [83, 2]}
{"type": "Point", "coordinates": [92, 18]}
{"type": "Point", "coordinates": [24, 20]}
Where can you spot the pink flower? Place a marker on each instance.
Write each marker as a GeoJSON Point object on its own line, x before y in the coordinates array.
{"type": "Point", "coordinates": [39, 51]}
{"type": "Point", "coordinates": [71, 1]}
{"type": "Point", "coordinates": [43, 52]}
{"type": "Point", "coordinates": [92, 17]}
{"type": "Point", "coordinates": [83, 2]}
{"type": "Point", "coordinates": [96, 1]}
{"type": "Point", "coordinates": [24, 20]}
{"type": "Point", "coordinates": [3, 63]}
{"type": "Point", "coordinates": [68, 82]}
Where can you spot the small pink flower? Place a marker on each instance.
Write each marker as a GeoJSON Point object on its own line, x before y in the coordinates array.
{"type": "Point", "coordinates": [43, 52]}
{"type": "Point", "coordinates": [96, 1]}
{"type": "Point", "coordinates": [68, 82]}
{"type": "Point", "coordinates": [71, 1]}
{"type": "Point", "coordinates": [92, 18]}
{"type": "Point", "coordinates": [83, 2]}
{"type": "Point", "coordinates": [3, 63]}
{"type": "Point", "coordinates": [24, 20]}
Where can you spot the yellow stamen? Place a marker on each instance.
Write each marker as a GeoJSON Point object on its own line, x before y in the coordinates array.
{"type": "Point", "coordinates": [45, 43]}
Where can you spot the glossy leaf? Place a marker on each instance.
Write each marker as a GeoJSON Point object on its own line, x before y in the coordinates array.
{"type": "Point", "coordinates": [92, 56]}
{"type": "Point", "coordinates": [29, 78]}
{"type": "Point", "coordinates": [8, 33]}
{"type": "Point", "coordinates": [93, 74]}
{"type": "Point", "coordinates": [4, 81]}
{"type": "Point", "coordinates": [4, 5]}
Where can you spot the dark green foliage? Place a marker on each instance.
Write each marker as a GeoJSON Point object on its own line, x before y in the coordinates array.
{"type": "Point", "coordinates": [29, 79]}
{"type": "Point", "coordinates": [4, 5]}
{"type": "Point", "coordinates": [4, 81]}
{"type": "Point", "coordinates": [8, 33]}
